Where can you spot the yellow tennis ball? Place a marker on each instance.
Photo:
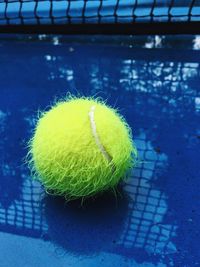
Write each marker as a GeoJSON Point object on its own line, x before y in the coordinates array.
{"type": "Point", "coordinates": [81, 147]}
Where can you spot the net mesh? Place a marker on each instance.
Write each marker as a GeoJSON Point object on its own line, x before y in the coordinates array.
{"type": "Point", "coordinates": [97, 11]}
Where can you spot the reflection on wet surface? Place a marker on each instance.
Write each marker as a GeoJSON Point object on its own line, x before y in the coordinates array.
{"type": "Point", "coordinates": [145, 227]}
{"type": "Point", "coordinates": [155, 217]}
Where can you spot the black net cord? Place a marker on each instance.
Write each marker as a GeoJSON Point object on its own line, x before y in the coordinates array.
{"type": "Point", "coordinates": [122, 29]}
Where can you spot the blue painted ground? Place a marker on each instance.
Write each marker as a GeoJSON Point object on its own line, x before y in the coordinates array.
{"type": "Point", "coordinates": [155, 220]}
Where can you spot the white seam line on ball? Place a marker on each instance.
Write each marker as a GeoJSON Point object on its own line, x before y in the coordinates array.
{"type": "Point", "coordinates": [96, 137]}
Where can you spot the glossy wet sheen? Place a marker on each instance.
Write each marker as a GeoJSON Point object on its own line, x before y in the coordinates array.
{"type": "Point", "coordinates": [155, 219]}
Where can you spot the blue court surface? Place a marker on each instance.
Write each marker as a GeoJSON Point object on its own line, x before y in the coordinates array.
{"type": "Point", "coordinates": [154, 82]}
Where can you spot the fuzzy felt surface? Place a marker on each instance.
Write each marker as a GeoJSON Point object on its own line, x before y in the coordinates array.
{"type": "Point", "coordinates": [81, 147]}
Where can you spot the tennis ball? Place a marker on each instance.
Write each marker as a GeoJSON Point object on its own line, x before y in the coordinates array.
{"type": "Point", "coordinates": [81, 147]}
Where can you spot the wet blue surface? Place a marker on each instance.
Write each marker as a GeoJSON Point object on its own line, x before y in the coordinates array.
{"type": "Point", "coordinates": [155, 220]}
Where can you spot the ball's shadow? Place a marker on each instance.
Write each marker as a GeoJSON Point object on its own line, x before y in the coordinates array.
{"type": "Point", "coordinates": [86, 228]}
